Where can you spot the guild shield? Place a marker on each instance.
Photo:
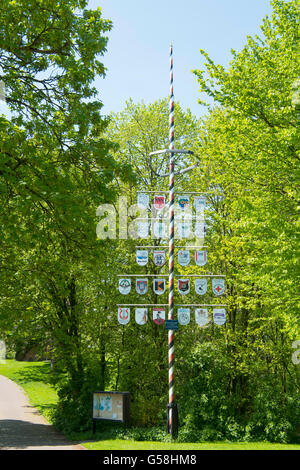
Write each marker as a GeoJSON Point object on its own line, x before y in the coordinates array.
{"type": "Point", "coordinates": [159, 258]}
{"type": "Point", "coordinates": [201, 286]}
{"type": "Point", "coordinates": [218, 286]}
{"type": "Point", "coordinates": [143, 229]}
{"type": "Point", "coordinates": [183, 286]}
{"type": "Point", "coordinates": [142, 257]}
{"type": "Point", "coordinates": [199, 204]}
{"type": "Point", "coordinates": [183, 202]}
{"type": "Point", "coordinates": [159, 315]}
{"type": "Point", "coordinates": [143, 201]}
{"type": "Point", "coordinates": [200, 257]}
{"type": "Point", "coordinates": [201, 316]}
{"type": "Point", "coordinates": [183, 257]}
{"type": "Point", "coordinates": [159, 201]}
{"type": "Point", "coordinates": [141, 316]}
{"type": "Point", "coordinates": [142, 286]}
{"type": "Point", "coordinates": [183, 315]}
{"type": "Point", "coordinates": [159, 286]}
{"type": "Point", "coordinates": [219, 316]}
{"type": "Point", "coordinates": [124, 286]}
{"type": "Point", "coordinates": [123, 315]}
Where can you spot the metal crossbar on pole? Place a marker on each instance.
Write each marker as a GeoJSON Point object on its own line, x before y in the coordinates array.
{"type": "Point", "coordinates": [142, 305]}
{"type": "Point", "coordinates": [171, 150]}
{"type": "Point", "coordinates": [174, 275]}
{"type": "Point", "coordinates": [142, 275]}
{"type": "Point", "coordinates": [165, 246]}
{"type": "Point", "coordinates": [200, 305]}
{"type": "Point", "coordinates": [175, 192]}
{"type": "Point", "coordinates": [176, 305]}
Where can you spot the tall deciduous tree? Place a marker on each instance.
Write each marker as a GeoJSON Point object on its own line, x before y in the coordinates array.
{"type": "Point", "coordinates": [250, 148]}
{"type": "Point", "coordinates": [55, 169]}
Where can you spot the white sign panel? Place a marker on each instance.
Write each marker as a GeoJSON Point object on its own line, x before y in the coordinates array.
{"type": "Point", "coordinates": [141, 315]}
{"type": "Point", "coordinates": [124, 286]}
{"type": "Point", "coordinates": [218, 286]}
{"type": "Point", "coordinates": [201, 286]}
{"type": "Point", "coordinates": [159, 315]}
{"type": "Point", "coordinates": [200, 257]}
{"type": "Point", "coordinates": [123, 315]}
{"type": "Point", "coordinates": [142, 286]}
{"type": "Point", "coordinates": [143, 229]}
{"type": "Point", "coordinates": [200, 229]}
{"type": "Point", "coordinates": [183, 315]}
{"type": "Point", "coordinates": [219, 316]}
{"type": "Point", "coordinates": [159, 229]}
{"type": "Point", "coordinates": [199, 204]}
{"type": "Point", "coordinates": [142, 257]}
{"type": "Point", "coordinates": [201, 316]}
{"type": "Point", "coordinates": [183, 257]}
{"type": "Point", "coordinates": [143, 201]}
{"type": "Point", "coordinates": [159, 257]}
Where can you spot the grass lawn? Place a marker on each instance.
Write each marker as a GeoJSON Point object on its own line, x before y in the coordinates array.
{"type": "Point", "coordinates": [119, 444]}
{"type": "Point", "coordinates": [33, 377]}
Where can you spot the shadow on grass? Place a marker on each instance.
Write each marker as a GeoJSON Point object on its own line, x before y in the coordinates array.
{"type": "Point", "coordinates": [34, 373]}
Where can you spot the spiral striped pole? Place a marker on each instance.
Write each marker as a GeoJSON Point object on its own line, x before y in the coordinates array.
{"type": "Point", "coordinates": [170, 424]}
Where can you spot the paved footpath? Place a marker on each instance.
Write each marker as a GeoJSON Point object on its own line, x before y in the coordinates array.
{"type": "Point", "coordinates": [21, 425]}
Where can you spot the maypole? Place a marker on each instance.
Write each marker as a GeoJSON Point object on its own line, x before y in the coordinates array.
{"type": "Point", "coordinates": [218, 283]}
{"type": "Point", "coordinates": [172, 409]}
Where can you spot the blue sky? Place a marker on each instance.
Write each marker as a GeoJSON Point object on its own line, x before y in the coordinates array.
{"type": "Point", "coordinates": [137, 59]}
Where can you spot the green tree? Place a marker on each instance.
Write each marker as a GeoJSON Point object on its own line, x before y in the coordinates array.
{"type": "Point", "coordinates": [55, 169]}
{"type": "Point", "coordinates": [250, 148]}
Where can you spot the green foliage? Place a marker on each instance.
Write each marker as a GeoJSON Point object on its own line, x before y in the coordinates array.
{"type": "Point", "coordinates": [55, 169]}
{"type": "Point", "coordinates": [59, 284]}
{"type": "Point", "coordinates": [250, 153]}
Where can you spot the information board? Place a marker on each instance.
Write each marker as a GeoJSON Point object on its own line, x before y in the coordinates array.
{"type": "Point", "coordinates": [112, 406]}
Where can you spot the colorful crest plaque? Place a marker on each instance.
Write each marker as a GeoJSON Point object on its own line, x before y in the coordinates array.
{"type": "Point", "coordinates": [123, 315]}
{"type": "Point", "coordinates": [124, 286]}
{"type": "Point", "coordinates": [159, 286]}
{"type": "Point", "coordinates": [159, 201]}
{"type": "Point", "coordinates": [183, 315]}
{"type": "Point", "coordinates": [218, 286]}
{"type": "Point", "coordinates": [159, 315]}
{"type": "Point", "coordinates": [142, 286]}
{"type": "Point", "coordinates": [219, 316]}
{"type": "Point", "coordinates": [201, 286]}
{"type": "Point", "coordinates": [159, 257]}
{"type": "Point", "coordinates": [183, 202]}
{"type": "Point", "coordinates": [183, 286]}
